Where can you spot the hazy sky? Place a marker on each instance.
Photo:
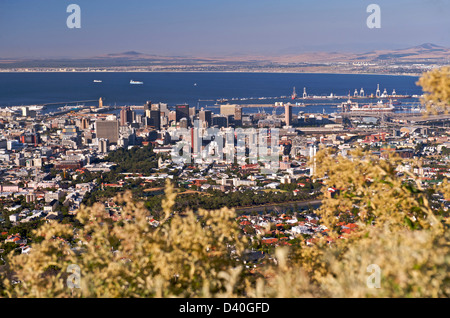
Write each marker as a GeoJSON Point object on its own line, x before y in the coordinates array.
{"type": "Point", "coordinates": [30, 28]}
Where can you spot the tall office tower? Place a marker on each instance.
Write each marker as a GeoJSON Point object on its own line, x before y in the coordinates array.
{"type": "Point", "coordinates": [238, 116]}
{"type": "Point", "coordinates": [148, 106]}
{"type": "Point", "coordinates": [85, 123]}
{"type": "Point", "coordinates": [172, 116]}
{"type": "Point", "coordinates": [156, 107]}
{"type": "Point", "coordinates": [206, 117]}
{"type": "Point", "coordinates": [234, 111]}
{"type": "Point", "coordinates": [164, 121]}
{"type": "Point", "coordinates": [25, 111]}
{"type": "Point", "coordinates": [182, 112]}
{"type": "Point", "coordinates": [163, 109]}
{"type": "Point", "coordinates": [103, 145]}
{"type": "Point", "coordinates": [155, 118]}
{"type": "Point", "coordinates": [312, 158]}
{"type": "Point", "coordinates": [228, 110]}
{"type": "Point", "coordinates": [138, 119]}
{"type": "Point", "coordinates": [288, 114]}
{"type": "Point", "coordinates": [192, 111]}
{"type": "Point", "coordinates": [127, 116]}
{"type": "Point", "coordinates": [100, 102]}
{"type": "Point", "coordinates": [220, 121]}
{"type": "Point", "coordinates": [107, 129]}
{"type": "Point", "coordinates": [146, 121]}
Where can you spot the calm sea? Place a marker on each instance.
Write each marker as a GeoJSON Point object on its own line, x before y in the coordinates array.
{"type": "Point", "coordinates": [195, 89]}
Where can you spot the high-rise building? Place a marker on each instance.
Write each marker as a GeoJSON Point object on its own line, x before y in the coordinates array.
{"type": "Point", "coordinates": [25, 111]}
{"type": "Point", "coordinates": [103, 145]}
{"type": "Point", "coordinates": [148, 105]}
{"type": "Point", "coordinates": [162, 107]}
{"type": "Point", "coordinates": [146, 121]}
{"type": "Point", "coordinates": [220, 121]}
{"type": "Point", "coordinates": [182, 112]}
{"type": "Point", "coordinates": [205, 116]}
{"type": "Point", "coordinates": [192, 111]}
{"type": "Point", "coordinates": [232, 112]}
{"type": "Point", "coordinates": [85, 123]}
{"type": "Point", "coordinates": [156, 107]}
{"type": "Point", "coordinates": [228, 110]}
{"type": "Point", "coordinates": [127, 116]}
{"type": "Point", "coordinates": [238, 116]}
{"type": "Point", "coordinates": [155, 118]}
{"type": "Point", "coordinates": [288, 114]}
{"type": "Point", "coordinates": [172, 116]}
{"type": "Point", "coordinates": [312, 158]}
{"type": "Point", "coordinates": [107, 129]}
{"type": "Point", "coordinates": [100, 102]}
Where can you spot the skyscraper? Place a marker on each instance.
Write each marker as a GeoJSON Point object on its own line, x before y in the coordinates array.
{"type": "Point", "coordinates": [192, 111]}
{"type": "Point", "coordinates": [228, 110]}
{"type": "Point", "coordinates": [312, 158]}
{"type": "Point", "coordinates": [107, 129]}
{"type": "Point", "coordinates": [182, 112]}
{"type": "Point", "coordinates": [156, 107]}
{"type": "Point", "coordinates": [103, 145]}
{"type": "Point", "coordinates": [238, 116]}
{"type": "Point", "coordinates": [172, 116]}
{"type": "Point", "coordinates": [127, 116]}
{"type": "Point", "coordinates": [220, 121]}
{"type": "Point", "coordinates": [148, 106]}
{"type": "Point", "coordinates": [232, 112]}
{"type": "Point", "coordinates": [155, 118]}
{"type": "Point", "coordinates": [85, 123]}
{"type": "Point", "coordinates": [205, 116]}
{"type": "Point", "coordinates": [288, 114]}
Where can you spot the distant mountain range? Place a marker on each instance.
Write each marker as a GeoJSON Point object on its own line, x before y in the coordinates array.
{"type": "Point", "coordinates": [424, 52]}
{"type": "Point", "coordinates": [427, 52]}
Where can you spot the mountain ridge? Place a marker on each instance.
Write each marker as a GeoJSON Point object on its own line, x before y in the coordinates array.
{"type": "Point", "coordinates": [424, 53]}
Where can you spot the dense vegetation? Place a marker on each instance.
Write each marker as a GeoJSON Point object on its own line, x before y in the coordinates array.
{"type": "Point", "coordinates": [135, 160]}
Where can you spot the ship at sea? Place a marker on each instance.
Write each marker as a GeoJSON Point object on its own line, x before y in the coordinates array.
{"type": "Point", "coordinates": [350, 106]}
{"type": "Point", "coordinates": [98, 81]}
{"type": "Point", "coordinates": [136, 82]}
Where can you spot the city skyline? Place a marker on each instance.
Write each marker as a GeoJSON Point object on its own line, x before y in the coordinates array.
{"type": "Point", "coordinates": [204, 28]}
{"type": "Point", "coordinates": [241, 151]}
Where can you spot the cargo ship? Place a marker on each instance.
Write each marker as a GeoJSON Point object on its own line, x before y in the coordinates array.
{"type": "Point", "coordinates": [136, 82]}
{"type": "Point", "coordinates": [350, 106]}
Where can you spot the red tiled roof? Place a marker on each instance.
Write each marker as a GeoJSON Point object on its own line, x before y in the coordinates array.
{"type": "Point", "coordinates": [269, 240]}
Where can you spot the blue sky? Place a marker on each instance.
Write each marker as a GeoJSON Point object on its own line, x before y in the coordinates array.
{"type": "Point", "coordinates": [30, 28]}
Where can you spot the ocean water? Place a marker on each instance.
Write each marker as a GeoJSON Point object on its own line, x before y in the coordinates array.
{"type": "Point", "coordinates": [195, 89]}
